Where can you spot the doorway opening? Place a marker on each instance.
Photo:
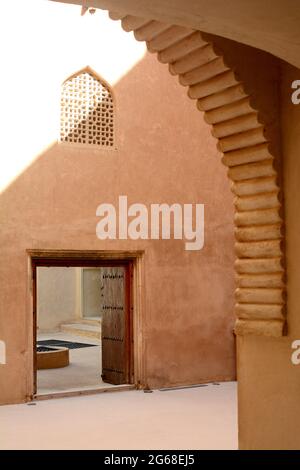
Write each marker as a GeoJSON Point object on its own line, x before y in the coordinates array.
{"type": "Point", "coordinates": [83, 335]}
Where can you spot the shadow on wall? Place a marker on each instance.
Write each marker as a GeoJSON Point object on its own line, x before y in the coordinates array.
{"type": "Point", "coordinates": [164, 154]}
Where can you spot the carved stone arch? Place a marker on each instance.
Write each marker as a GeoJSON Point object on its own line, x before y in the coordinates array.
{"type": "Point", "coordinates": [246, 126]}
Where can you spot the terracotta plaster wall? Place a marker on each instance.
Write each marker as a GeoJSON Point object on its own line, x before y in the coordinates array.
{"type": "Point", "coordinates": [269, 384]}
{"type": "Point", "coordinates": [164, 153]}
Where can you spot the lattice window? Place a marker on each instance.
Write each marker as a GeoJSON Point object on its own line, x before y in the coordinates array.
{"type": "Point", "coordinates": [87, 111]}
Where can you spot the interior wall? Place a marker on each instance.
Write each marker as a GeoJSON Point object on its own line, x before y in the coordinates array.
{"type": "Point", "coordinates": [56, 297]}
{"type": "Point", "coordinates": [91, 292]}
{"type": "Point", "coordinates": [164, 154]}
{"type": "Point", "coordinates": [269, 382]}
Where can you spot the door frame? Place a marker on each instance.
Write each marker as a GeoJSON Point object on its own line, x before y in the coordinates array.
{"type": "Point", "coordinates": [133, 262]}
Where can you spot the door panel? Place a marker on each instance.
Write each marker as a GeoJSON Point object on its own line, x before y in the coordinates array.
{"type": "Point", "coordinates": [113, 334]}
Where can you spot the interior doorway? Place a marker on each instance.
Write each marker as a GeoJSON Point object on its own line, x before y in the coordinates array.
{"type": "Point", "coordinates": [83, 325]}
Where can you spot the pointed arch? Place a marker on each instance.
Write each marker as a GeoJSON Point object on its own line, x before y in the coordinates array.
{"type": "Point", "coordinates": [87, 110]}
{"type": "Point", "coordinates": [247, 138]}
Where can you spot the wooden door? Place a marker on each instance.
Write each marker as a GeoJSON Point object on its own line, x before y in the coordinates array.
{"type": "Point", "coordinates": [114, 325]}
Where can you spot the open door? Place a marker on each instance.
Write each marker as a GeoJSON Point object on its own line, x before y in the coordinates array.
{"type": "Point", "coordinates": [109, 310]}
{"type": "Point", "coordinates": [115, 332]}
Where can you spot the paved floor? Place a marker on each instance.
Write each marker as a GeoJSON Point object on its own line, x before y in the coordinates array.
{"type": "Point", "coordinates": [194, 418]}
{"type": "Point", "coordinates": [83, 372]}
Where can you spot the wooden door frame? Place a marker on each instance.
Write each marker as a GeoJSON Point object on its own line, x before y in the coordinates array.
{"type": "Point", "coordinates": [133, 262]}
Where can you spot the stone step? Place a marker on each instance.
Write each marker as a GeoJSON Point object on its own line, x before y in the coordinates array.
{"type": "Point", "coordinates": [82, 329]}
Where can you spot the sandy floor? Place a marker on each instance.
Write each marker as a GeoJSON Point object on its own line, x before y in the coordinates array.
{"type": "Point", "coordinates": [195, 418]}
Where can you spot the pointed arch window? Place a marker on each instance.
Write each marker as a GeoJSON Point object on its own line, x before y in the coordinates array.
{"type": "Point", "coordinates": [87, 110]}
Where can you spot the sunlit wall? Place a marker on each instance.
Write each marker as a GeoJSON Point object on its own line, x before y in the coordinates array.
{"type": "Point", "coordinates": [42, 43]}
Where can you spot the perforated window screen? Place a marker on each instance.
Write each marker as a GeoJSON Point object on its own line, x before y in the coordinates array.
{"type": "Point", "coordinates": [87, 111]}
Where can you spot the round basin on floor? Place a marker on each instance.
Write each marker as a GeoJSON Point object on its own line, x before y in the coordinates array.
{"type": "Point", "coordinates": [49, 357]}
